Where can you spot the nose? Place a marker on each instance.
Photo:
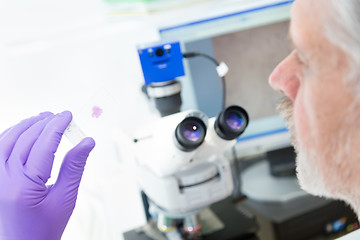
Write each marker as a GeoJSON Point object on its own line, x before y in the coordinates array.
{"type": "Point", "coordinates": [285, 77]}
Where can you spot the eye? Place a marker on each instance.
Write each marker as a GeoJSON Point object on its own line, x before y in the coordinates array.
{"type": "Point", "coordinates": [302, 60]}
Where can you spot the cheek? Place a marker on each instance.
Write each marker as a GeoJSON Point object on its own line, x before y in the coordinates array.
{"type": "Point", "coordinates": [301, 120]}
{"type": "Point", "coordinates": [314, 118]}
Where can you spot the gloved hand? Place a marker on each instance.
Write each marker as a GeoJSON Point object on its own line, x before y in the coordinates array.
{"type": "Point", "coordinates": [30, 210]}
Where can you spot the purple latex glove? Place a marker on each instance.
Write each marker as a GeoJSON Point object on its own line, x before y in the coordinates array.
{"type": "Point", "coordinates": [28, 208]}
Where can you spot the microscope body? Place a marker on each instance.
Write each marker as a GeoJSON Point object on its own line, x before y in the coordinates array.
{"type": "Point", "coordinates": [190, 189]}
{"type": "Point", "coordinates": [181, 179]}
{"type": "Point", "coordinates": [180, 158]}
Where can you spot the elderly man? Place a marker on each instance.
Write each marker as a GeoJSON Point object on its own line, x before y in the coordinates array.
{"type": "Point", "coordinates": [320, 79]}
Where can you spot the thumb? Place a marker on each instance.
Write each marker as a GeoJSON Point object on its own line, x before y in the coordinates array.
{"type": "Point", "coordinates": [72, 169]}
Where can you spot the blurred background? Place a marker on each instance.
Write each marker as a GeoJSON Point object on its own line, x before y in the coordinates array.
{"type": "Point", "coordinates": [70, 55]}
{"type": "Point", "coordinates": [81, 55]}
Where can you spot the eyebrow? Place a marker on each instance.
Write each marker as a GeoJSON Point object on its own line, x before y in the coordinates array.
{"type": "Point", "coordinates": [294, 46]}
{"type": "Point", "coordinates": [292, 42]}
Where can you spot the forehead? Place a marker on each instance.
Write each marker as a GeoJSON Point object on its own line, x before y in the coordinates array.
{"type": "Point", "coordinates": [307, 24]}
{"type": "Point", "coordinates": [310, 10]}
{"type": "Point", "coordinates": [305, 20]}
{"type": "Point", "coordinates": [308, 33]}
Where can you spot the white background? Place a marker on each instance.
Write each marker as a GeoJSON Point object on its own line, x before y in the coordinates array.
{"type": "Point", "coordinates": [67, 55]}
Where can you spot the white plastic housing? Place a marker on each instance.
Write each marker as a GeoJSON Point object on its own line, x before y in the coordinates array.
{"type": "Point", "coordinates": [213, 144]}
{"type": "Point", "coordinates": [156, 148]}
{"type": "Point", "coordinates": [167, 193]}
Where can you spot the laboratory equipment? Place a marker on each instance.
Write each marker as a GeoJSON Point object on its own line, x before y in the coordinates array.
{"type": "Point", "coordinates": [182, 168]}
{"type": "Point", "coordinates": [161, 63]}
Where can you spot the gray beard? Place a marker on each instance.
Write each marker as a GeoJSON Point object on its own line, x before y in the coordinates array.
{"type": "Point", "coordinates": [286, 110]}
{"type": "Point", "coordinates": [325, 172]}
{"type": "Point", "coordinates": [308, 163]}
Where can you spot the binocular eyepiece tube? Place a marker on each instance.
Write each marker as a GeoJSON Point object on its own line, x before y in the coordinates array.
{"type": "Point", "coordinates": [231, 122]}
{"type": "Point", "coordinates": [191, 131]}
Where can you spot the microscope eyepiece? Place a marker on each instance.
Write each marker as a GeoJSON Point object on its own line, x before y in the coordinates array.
{"type": "Point", "coordinates": [190, 133]}
{"type": "Point", "coordinates": [231, 122]}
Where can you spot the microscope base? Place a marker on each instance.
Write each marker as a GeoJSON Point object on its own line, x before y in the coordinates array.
{"type": "Point", "coordinates": [237, 225]}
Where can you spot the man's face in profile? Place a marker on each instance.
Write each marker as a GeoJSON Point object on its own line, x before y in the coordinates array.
{"type": "Point", "coordinates": [320, 108]}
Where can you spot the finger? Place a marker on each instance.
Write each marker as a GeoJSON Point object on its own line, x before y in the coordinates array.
{"type": "Point", "coordinates": [4, 133]}
{"type": "Point", "coordinates": [41, 115]}
{"type": "Point", "coordinates": [72, 169]}
{"type": "Point", "coordinates": [41, 156]}
{"type": "Point", "coordinates": [11, 135]}
{"type": "Point", "coordinates": [25, 142]}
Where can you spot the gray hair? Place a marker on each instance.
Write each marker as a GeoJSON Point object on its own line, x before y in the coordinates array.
{"type": "Point", "coordinates": [343, 30]}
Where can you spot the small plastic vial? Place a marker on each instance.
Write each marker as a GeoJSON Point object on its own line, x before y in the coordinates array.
{"type": "Point", "coordinates": [74, 133]}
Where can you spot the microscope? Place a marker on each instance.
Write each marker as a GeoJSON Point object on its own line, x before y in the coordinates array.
{"type": "Point", "coordinates": [181, 167]}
